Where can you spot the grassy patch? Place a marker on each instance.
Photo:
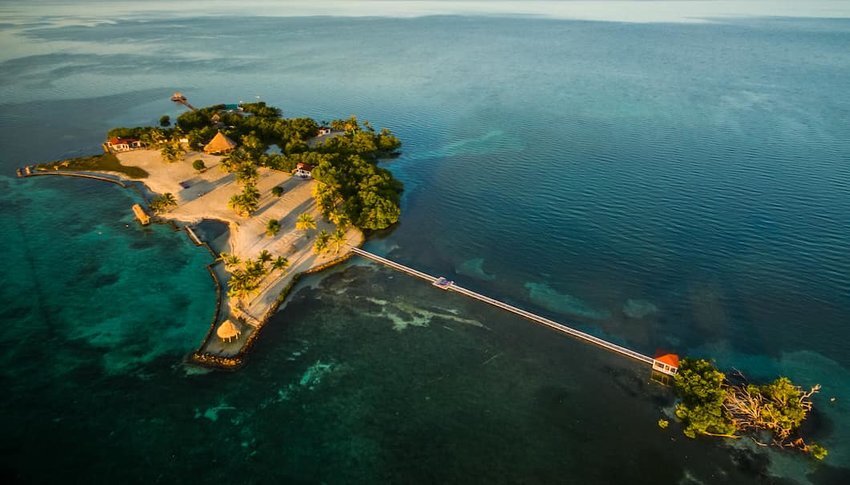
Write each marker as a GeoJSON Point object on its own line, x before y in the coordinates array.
{"type": "Point", "coordinates": [106, 162]}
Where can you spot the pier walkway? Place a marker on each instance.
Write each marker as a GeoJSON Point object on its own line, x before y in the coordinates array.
{"type": "Point", "coordinates": [450, 286]}
{"type": "Point", "coordinates": [29, 171]}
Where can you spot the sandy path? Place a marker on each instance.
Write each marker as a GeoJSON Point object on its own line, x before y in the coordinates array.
{"type": "Point", "coordinates": [205, 196]}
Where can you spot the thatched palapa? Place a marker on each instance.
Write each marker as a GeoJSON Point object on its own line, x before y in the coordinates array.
{"type": "Point", "coordinates": [228, 331]}
{"type": "Point", "coordinates": [220, 144]}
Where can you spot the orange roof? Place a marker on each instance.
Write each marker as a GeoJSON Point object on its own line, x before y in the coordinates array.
{"type": "Point", "coordinates": [670, 359]}
{"type": "Point", "coordinates": [228, 330]}
{"type": "Point", "coordinates": [220, 144]}
{"type": "Point", "coordinates": [117, 141]}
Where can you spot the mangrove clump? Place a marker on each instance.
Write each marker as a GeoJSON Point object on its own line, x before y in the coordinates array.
{"type": "Point", "coordinates": [714, 404]}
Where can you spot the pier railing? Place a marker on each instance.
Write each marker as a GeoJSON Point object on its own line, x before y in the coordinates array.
{"type": "Point", "coordinates": [510, 308]}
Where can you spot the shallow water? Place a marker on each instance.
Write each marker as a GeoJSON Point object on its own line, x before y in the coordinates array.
{"type": "Point", "coordinates": [671, 186]}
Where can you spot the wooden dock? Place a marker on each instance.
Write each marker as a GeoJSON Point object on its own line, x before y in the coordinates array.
{"type": "Point", "coordinates": [141, 215]}
{"type": "Point", "coordinates": [180, 99]}
{"type": "Point", "coordinates": [559, 327]}
{"type": "Point", "coordinates": [30, 171]}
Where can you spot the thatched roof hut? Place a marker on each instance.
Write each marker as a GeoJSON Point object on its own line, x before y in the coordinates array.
{"type": "Point", "coordinates": [220, 144]}
{"type": "Point", "coordinates": [228, 331]}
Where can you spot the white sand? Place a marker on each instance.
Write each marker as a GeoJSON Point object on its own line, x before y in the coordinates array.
{"type": "Point", "coordinates": [206, 198]}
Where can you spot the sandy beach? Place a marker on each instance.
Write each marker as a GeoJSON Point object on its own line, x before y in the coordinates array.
{"type": "Point", "coordinates": [205, 195]}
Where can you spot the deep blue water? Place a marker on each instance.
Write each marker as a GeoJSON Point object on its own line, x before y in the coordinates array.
{"type": "Point", "coordinates": [678, 186]}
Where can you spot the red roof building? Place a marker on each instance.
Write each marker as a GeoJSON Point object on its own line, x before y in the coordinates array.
{"type": "Point", "coordinates": [123, 144]}
{"type": "Point", "coordinates": [666, 363]}
{"type": "Point", "coordinates": [303, 170]}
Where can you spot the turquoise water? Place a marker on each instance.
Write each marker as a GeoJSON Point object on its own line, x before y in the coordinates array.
{"type": "Point", "coordinates": [666, 185]}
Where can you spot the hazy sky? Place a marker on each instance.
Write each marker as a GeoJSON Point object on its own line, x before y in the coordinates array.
{"type": "Point", "coordinates": [611, 10]}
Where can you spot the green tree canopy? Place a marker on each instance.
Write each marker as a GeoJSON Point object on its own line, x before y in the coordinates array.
{"type": "Point", "coordinates": [163, 203]}
{"type": "Point", "coordinates": [322, 242]}
{"type": "Point", "coordinates": [305, 222]}
{"type": "Point", "coordinates": [711, 404]}
{"type": "Point", "coordinates": [272, 227]}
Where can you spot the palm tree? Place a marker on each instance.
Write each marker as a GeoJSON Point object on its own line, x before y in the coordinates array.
{"type": "Point", "coordinates": [247, 202]}
{"type": "Point", "coordinates": [154, 137]}
{"type": "Point", "coordinates": [337, 239]}
{"type": "Point", "coordinates": [233, 161]}
{"type": "Point", "coordinates": [246, 173]}
{"type": "Point", "coordinates": [265, 256]}
{"type": "Point", "coordinates": [255, 269]}
{"type": "Point", "coordinates": [163, 202]}
{"type": "Point", "coordinates": [321, 244]}
{"type": "Point", "coordinates": [239, 285]}
{"type": "Point", "coordinates": [251, 196]}
{"type": "Point", "coordinates": [169, 199]}
{"type": "Point", "coordinates": [280, 263]}
{"type": "Point", "coordinates": [305, 222]}
{"type": "Point", "coordinates": [172, 150]}
{"type": "Point", "coordinates": [273, 227]}
{"type": "Point", "coordinates": [230, 260]}
{"type": "Point", "coordinates": [237, 203]}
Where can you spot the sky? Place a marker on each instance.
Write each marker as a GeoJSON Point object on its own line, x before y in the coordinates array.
{"type": "Point", "coordinates": [601, 10]}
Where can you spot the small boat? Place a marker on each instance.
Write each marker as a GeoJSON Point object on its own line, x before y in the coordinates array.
{"type": "Point", "coordinates": [443, 283]}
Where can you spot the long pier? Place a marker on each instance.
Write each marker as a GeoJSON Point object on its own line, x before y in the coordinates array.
{"type": "Point", "coordinates": [30, 172]}
{"type": "Point", "coordinates": [559, 327]}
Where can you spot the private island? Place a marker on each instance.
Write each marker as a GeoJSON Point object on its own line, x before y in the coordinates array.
{"type": "Point", "coordinates": [297, 196]}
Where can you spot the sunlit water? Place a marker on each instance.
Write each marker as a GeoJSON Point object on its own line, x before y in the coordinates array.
{"type": "Point", "coordinates": [666, 185]}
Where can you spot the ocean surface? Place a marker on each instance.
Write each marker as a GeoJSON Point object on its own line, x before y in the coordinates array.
{"type": "Point", "coordinates": [678, 185]}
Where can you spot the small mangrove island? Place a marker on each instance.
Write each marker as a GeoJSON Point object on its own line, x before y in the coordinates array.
{"type": "Point", "coordinates": [714, 404]}
{"type": "Point", "coordinates": [295, 195]}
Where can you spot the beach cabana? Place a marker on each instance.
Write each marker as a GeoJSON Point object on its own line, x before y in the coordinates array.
{"type": "Point", "coordinates": [220, 144]}
{"type": "Point", "coordinates": [228, 331]}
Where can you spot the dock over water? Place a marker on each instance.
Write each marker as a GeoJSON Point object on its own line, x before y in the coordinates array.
{"type": "Point", "coordinates": [444, 284]}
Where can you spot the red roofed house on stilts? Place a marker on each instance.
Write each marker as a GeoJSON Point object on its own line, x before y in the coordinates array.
{"type": "Point", "coordinates": [666, 363]}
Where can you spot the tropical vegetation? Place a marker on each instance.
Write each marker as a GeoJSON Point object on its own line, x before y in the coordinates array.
{"type": "Point", "coordinates": [322, 242]}
{"type": "Point", "coordinates": [246, 277]}
{"type": "Point", "coordinates": [246, 202]}
{"type": "Point", "coordinates": [305, 222]}
{"type": "Point", "coordinates": [163, 203]}
{"type": "Point", "coordinates": [105, 162]}
{"type": "Point", "coordinates": [337, 239]}
{"type": "Point", "coordinates": [352, 188]}
{"type": "Point", "coordinates": [714, 404]}
{"type": "Point", "coordinates": [272, 227]}
{"type": "Point", "coordinates": [172, 150]}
